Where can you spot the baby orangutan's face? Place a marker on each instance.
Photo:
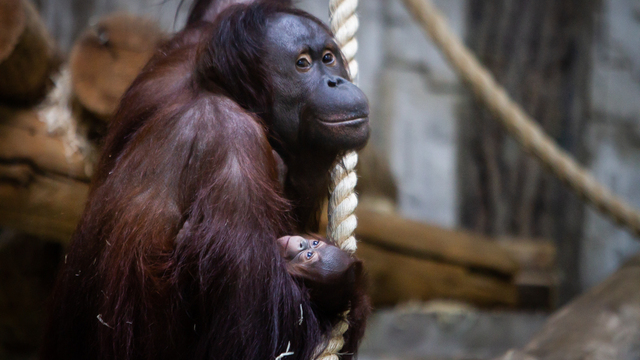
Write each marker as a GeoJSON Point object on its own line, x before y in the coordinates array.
{"type": "Point", "coordinates": [314, 259]}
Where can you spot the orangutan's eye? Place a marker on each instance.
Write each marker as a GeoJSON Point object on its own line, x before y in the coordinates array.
{"type": "Point", "coordinates": [328, 58]}
{"type": "Point", "coordinates": [304, 62]}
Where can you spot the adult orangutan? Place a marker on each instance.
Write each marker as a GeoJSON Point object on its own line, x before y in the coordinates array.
{"type": "Point", "coordinates": [221, 146]}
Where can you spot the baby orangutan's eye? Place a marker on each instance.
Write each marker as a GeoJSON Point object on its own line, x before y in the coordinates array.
{"type": "Point", "coordinates": [303, 63]}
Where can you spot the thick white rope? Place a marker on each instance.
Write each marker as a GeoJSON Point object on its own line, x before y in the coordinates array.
{"type": "Point", "coordinates": [344, 24]}
{"type": "Point", "coordinates": [343, 200]}
{"type": "Point", "coordinates": [342, 203]}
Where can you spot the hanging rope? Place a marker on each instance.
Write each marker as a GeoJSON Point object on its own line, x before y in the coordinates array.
{"type": "Point", "coordinates": [343, 200]}
{"type": "Point", "coordinates": [520, 125]}
{"type": "Point", "coordinates": [342, 203]}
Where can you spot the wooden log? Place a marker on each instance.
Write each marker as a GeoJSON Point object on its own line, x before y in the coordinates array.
{"type": "Point", "coordinates": [394, 233]}
{"type": "Point", "coordinates": [396, 278]}
{"type": "Point", "coordinates": [531, 254]}
{"type": "Point", "coordinates": [24, 137]}
{"type": "Point", "coordinates": [43, 189]}
{"type": "Point", "coordinates": [538, 278]}
{"type": "Point", "coordinates": [537, 259]}
{"type": "Point", "coordinates": [27, 55]}
{"type": "Point", "coordinates": [603, 323]}
{"type": "Point", "coordinates": [107, 58]}
{"type": "Point", "coordinates": [409, 260]}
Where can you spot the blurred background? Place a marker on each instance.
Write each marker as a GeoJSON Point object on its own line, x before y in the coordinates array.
{"type": "Point", "coordinates": [471, 245]}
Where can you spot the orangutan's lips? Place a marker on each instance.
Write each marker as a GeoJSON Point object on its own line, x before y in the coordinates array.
{"type": "Point", "coordinates": [346, 121]}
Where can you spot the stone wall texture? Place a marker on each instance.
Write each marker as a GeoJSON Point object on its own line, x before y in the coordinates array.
{"type": "Point", "coordinates": [613, 135]}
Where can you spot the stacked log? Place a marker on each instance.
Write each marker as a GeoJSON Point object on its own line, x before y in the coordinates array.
{"type": "Point", "coordinates": [108, 56]}
{"type": "Point", "coordinates": [413, 261]}
{"type": "Point", "coordinates": [42, 189]}
{"type": "Point", "coordinates": [27, 55]}
{"type": "Point", "coordinates": [538, 278]}
{"type": "Point", "coordinates": [47, 149]}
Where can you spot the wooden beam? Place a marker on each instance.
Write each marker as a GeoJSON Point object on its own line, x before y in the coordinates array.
{"type": "Point", "coordinates": [537, 259]}
{"type": "Point", "coordinates": [27, 54]}
{"type": "Point", "coordinates": [47, 205]}
{"type": "Point", "coordinates": [409, 260]}
{"type": "Point", "coordinates": [394, 233]}
{"type": "Point", "coordinates": [42, 190]}
{"type": "Point", "coordinates": [107, 58]}
{"type": "Point", "coordinates": [395, 278]}
{"type": "Point", "coordinates": [24, 138]}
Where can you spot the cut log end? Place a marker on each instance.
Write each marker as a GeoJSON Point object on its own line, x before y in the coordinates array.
{"type": "Point", "coordinates": [27, 55]}
{"type": "Point", "coordinates": [108, 57]}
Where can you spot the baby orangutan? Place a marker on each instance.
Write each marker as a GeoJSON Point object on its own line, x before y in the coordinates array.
{"type": "Point", "coordinates": [335, 280]}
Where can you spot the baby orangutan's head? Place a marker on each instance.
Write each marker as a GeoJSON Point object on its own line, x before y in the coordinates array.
{"type": "Point", "coordinates": [328, 272]}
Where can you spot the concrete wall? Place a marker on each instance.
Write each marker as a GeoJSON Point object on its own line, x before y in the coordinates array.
{"type": "Point", "coordinates": [614, 135]}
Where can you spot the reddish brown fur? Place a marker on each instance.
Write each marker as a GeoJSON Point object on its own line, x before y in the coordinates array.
{"type": "Point", "coordinates": [175, 255]}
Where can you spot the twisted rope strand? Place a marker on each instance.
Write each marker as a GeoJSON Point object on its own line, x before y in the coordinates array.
{"type": "Point", "coordinates": [344, 24]}
{"type": "Point", "coordinates": [342, 203]}
{"type": "Point", "coordinates": [343, 200]}
{"type": "Point", "coordinates": [520, 125]}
